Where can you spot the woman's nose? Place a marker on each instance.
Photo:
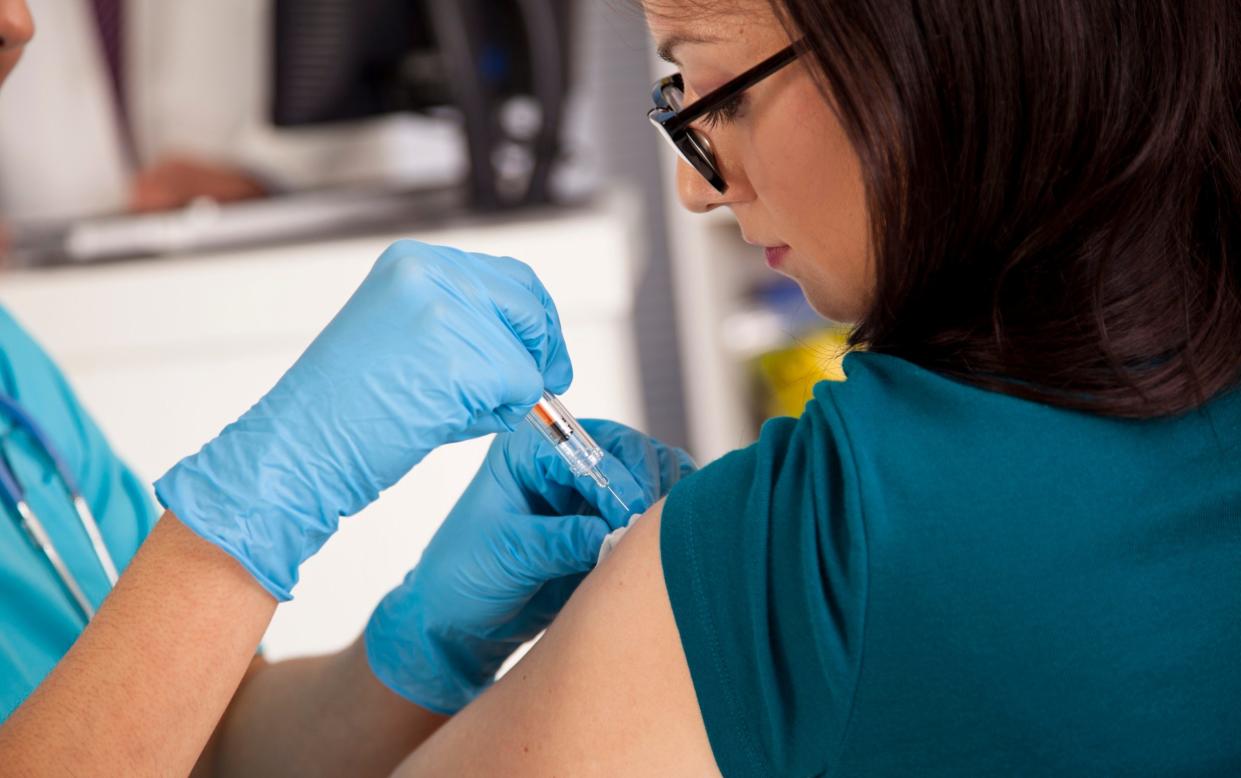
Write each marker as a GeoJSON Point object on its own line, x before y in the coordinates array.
{"type": "Point", "coordinates": [16, 25]}
{"type": "Point", "coordinates": [697, 194]}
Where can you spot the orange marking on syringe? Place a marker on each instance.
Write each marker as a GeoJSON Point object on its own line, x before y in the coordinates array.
{"type": "Point", "coordinates": [544, 416]}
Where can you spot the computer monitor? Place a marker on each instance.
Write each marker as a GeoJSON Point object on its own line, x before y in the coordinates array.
{"type": "Point", "coordinates": [339, 60]}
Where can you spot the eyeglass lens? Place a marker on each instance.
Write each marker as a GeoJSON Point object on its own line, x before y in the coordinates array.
{"type": "Point", "coordinates": [696, 144]}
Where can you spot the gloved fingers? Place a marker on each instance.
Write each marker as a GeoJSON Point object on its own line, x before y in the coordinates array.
{"type": "Point", "coordinates": [655, 465]}
{"type": "Point", "coordinates": [630, 489]}
{"type": "Point", "coordinates": [510, 417]}
{"type": "Point", "coordinates": [560, 492]}
{"type": "Point", "coordinates": [512, 389]}
{"type": "Point", "coordinates": [546, 603]}
{"type": "Point", "coordinates": [532, 316]}
{"type": "Point", "coordinates": [550, 487]}
{"type": "Point", "coordinates": [635, 447]}
{"type": "Point", "coordinates": [518, 459]}
{"type": "Point", "coordinates": [674, 464]}
{"type": "Point", "coordinates": [544, 548]}
{"type": "Point", "coordinates": [523, 387]}
{"type": "Point", "coordinates": [527, 466]}
{"type": "Point", "coordinates": [500, 422]}
{"type": "Point", "coordinates": [500, 314]}
{"type": "Point", "coordinates": [639, 470]}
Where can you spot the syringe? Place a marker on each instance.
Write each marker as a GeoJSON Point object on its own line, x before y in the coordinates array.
{"type": "Point", "coordinates": [578, 449]}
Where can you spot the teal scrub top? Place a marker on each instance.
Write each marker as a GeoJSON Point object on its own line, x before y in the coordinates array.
{"type": "Point", "coordinates": [38, 620]}
{"type": "Point", "coordinates": [919, 577]}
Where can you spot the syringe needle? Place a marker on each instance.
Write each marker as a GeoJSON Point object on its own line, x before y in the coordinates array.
{"type": "Point", "coordinates": [618, 499]}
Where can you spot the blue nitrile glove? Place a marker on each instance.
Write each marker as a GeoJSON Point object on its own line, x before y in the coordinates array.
{"type": "Point", "coordinates": [506, 559]}
{"type": "Point", "coordinates": [436, 345]}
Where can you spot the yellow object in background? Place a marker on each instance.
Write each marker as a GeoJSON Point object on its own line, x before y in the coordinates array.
{"type": "Point", "coordinates": [788, 376]}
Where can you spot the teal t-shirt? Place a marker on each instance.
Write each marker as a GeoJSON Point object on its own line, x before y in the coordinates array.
{"type": "Point", "coordinates": [38, 620]}
{"type": "Point", "coordinates": [919, 577]}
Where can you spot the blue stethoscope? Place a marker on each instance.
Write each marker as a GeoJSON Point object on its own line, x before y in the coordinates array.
{"type": "Point", "coordinates": [16, 496]}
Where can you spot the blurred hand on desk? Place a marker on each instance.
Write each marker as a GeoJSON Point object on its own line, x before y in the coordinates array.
{"type": "Point", "coordinates": [175, 181]}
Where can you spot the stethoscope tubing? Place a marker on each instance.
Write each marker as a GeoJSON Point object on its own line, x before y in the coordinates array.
{"type": "Point", "coordinates": [35, 528]}
{"type": "Point", "coordinates": [38, 533]}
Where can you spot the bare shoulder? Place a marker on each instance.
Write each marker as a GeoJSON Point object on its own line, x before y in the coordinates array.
{"type": "Point", "coordinates": [606, 691]}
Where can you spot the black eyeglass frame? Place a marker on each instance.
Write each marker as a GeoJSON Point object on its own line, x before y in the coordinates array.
{"type": "Point", "coordinates": [689, 143]}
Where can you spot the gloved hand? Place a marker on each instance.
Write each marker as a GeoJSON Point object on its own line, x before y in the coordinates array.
{"type": "Point", "coordinates": [507, 558]}
{"type": "Point", "coordinates": [436, 345]}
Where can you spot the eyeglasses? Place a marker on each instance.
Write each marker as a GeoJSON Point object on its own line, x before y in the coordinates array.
{"type": "Point", "coordinates": [673, 118]}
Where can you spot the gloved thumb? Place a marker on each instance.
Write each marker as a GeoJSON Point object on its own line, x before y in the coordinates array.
{"type": "Point", "coordinates": [523, 388]}
{"type": "Point", "coordinates": [548, 547]}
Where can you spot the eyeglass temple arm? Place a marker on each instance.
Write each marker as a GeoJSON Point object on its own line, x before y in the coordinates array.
{"type": "Point", "coordinates": [719, 96]}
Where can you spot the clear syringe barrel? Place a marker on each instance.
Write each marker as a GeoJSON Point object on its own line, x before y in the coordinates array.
{"type": "Point", "coordinates": [578, 449]}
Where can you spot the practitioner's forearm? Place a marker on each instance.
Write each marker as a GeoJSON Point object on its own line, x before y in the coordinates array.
{"type": "Point", "coordinates": [142, 690]}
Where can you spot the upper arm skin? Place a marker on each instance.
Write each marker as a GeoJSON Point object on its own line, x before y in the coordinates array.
{"type": "Point", "coordinates": [607, 691]}
{"type": "Point", "coordinates": [207, 765]}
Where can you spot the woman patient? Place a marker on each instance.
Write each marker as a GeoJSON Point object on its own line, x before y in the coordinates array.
{"type": "Point", "coordinates": [1009, 542]}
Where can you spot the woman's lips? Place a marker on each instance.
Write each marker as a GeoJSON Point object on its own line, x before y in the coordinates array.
{"type": "Point", "coordinates": [775, 255]}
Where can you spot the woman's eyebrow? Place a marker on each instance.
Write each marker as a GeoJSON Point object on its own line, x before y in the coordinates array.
{"type": "Point", "coordinates": [665, 48]}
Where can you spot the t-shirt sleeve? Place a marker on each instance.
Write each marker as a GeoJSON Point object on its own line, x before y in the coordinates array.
{"type": "Point", "coordinates": [764, 557]}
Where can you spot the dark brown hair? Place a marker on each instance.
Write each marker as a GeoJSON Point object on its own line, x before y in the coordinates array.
{"type": "Point", "coordinates": [1054, 187]}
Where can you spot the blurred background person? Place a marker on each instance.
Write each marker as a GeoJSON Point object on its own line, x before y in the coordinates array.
{"type": "Point", "coordinates": [164, 103]}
